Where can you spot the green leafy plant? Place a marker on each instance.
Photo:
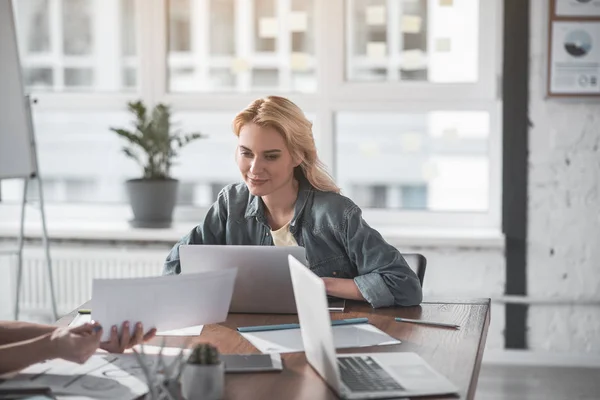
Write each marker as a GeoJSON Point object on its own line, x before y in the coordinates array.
{"type": "Point", "coordinates": [154, 143]}
{"type": "Point", "coordinates": [204, 354]}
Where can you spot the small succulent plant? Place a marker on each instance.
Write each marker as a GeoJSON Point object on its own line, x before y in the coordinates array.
{"type": "Point", "coordinates": [204, 354]}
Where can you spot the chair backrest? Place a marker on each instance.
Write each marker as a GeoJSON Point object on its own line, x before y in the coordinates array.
{"type": "Point", "coordinates": [418, 263]}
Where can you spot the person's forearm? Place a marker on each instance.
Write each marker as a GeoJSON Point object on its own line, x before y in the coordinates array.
{"type": "Point", "coordinates": [19, 355]}
{"type": "Point", "coordinates": [343, 288]}
{"type": "Point", "coordinates": [16, 331]}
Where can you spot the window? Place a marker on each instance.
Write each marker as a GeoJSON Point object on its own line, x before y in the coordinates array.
{"type": "Point", "coordinates": [439, 158]}
{"type": "Point", "coordinates": [434, 41]}
{"type": "Point", "coordinates": [67, 45]}
{"type": "Point", "coordinates": [402, 95]}
{"type": "Point", "coordinates": [237, 46]}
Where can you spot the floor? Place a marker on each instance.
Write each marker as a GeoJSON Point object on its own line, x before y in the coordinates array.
{"type": "Point", "coordinates": [538, 383]}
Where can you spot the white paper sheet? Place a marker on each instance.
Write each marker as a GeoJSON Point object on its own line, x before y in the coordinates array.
{"type": "Point", "coordinates": [290, 340]}
{"type": "Point", "coordinates": [165, 302]}
{"type": "Point", "coordinates": [103, 376]}
{"type": "Point", "coordinates": [196, 330]}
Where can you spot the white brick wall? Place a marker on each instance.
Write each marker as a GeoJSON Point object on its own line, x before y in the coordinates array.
{"type": "Point", "coordinates": [564, 208]}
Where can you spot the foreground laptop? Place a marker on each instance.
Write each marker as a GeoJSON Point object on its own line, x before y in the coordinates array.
{"type": "Point", "coordinates": [262, 284]}
{"type": "Point", "coordinates": [356, 375]}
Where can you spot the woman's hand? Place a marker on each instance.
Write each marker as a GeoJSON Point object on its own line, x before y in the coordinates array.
{"type": "Point", "coordinates": [119, 345]}
{"type": "Point", "coordinates": [342, 288]}
{"type": "Point", "coordinates": [76, 344]}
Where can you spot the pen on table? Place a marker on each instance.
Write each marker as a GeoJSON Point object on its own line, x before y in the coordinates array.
{"type": "Point", "coordinates": [420, 321]}
{"type": "Point", "coordinates": [84, 311]}
{"type": "Point", "coordinates": [278, 327]}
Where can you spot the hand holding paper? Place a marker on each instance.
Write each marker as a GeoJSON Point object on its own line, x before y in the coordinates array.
{"type": "Point", "coordinates": [165, 302]}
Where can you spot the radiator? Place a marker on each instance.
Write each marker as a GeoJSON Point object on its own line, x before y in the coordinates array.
{"type": "Point", "coordinates": [73, 271]}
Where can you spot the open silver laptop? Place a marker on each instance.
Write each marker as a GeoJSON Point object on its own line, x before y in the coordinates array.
{"type": "Point", "coordinates": [262, 284]}
{"type": "Point", "coordinates": [356, 375]}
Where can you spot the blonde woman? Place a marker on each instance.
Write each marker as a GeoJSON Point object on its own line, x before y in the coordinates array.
{"type": "Point", "coordinates": [288, 199]}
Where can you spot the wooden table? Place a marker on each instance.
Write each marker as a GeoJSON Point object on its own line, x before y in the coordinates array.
{"type": "Point", "coordinates": [454, 353]}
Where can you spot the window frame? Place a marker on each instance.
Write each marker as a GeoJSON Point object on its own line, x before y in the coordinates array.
{"type": "Point", "coordinates": [334, 95]}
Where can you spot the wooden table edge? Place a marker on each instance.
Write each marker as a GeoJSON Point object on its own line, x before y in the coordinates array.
{"type": "Point", "coordinates": [479, 357]}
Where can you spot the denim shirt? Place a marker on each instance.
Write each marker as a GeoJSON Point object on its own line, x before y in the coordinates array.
{"type": "Point", "coordinates": [338, 242]}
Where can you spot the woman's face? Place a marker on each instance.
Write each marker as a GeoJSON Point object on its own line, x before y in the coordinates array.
{"type": "Point", "coordinates": [264, 160]}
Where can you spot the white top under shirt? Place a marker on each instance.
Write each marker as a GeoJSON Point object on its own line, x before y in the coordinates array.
{"type": "Point", "coordinates": [283, 236]}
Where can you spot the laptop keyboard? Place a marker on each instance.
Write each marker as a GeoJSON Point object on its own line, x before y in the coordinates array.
{"type": "Point", "coordinates": [363, 374]}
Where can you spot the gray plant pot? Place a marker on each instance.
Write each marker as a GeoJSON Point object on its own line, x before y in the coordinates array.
{"type": "Point", "coordinates": [204, 382]}
{"type": "Point", "coordinates": [152, 202]}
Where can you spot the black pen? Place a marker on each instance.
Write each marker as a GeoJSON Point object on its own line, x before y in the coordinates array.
{"type": "Point", "coordinates": [420, 321]}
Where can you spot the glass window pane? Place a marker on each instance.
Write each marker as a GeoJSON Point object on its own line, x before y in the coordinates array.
{"type": "Point", "coordinates": [77, 27]}
{"type": "Point", "coordinates": [74, 173]}
{"type": "Point", "coordinates": [129, 77]}
{"type": "Point", "coordinates": [265, 78]}
{"type": "Point", "coordinates": [417, 40]}
{"type": "Point", "coordinates": [60, 50]}
{"type": "Point", "coordinates": [128, 27]}
{"type": "Point", "coordinates": [179, 25]}
{"type": "Point", "coordinates": [33, 20]}
{"type": "Point", "coordinates": [233, 46]}
{"type": "Point", "coordinates": [266, 26]}
{"type": "Point", "coordinates": [222, 27]}
{"type": "Point", "coordinates": [39, 78]}
{"type": "Point", "coordinates": [431, 161]}
{"type": "Point", "coordinates": [79, 77]}
{"type": "Point", "coordinates": [208, 164]}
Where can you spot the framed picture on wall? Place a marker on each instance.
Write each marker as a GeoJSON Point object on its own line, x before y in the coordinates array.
{"type": "Point", "coordinates": [577, 8]}
{"type": "Point", "coordinates": [574, 48]}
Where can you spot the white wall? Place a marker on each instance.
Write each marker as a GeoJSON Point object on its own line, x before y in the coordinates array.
{"type": "Point", "coordinates": [564, 208]}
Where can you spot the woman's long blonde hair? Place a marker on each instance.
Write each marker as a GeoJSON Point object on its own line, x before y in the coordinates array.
{"type": "Point", "coordinates": [287, 118]}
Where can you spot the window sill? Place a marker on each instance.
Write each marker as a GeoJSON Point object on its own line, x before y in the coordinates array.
{"type": "Point", "coordinates": [97, 232]}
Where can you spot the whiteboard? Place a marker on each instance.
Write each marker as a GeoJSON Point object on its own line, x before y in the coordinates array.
{"type": "Point", "coordinates": [16, 149]}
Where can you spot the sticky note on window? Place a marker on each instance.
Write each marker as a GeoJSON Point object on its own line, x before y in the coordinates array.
{"type": "Point", "coordinates": [376, 50]}
{"type": "Point", "coordinates": [240, 65]}
{"type": "Point", "coordinates": [299, 61]}
{"type": "Point", "coordinates": [443, 45]}
{"type": "Point", "coordinates": [267, 28]}
{"type": "Point", "coordinates": [413, 60]}
{"type": "Point", "coordinates": [411, 24]}
{"type": "Point", "coordinates": [298, 21]}
{"type": "Point", "coordinates": [446, 3]}
{"type": "Point", "coordinates": [375, 15]}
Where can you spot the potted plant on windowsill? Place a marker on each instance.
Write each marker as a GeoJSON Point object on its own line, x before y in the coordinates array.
{"type": "Point", "coordinates": [153, 144]}
{"type": "Point", "coordinates": [203, 376]}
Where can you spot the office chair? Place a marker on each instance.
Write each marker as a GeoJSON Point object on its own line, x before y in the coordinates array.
{"type": "Point", "coordinates": [418, 263]}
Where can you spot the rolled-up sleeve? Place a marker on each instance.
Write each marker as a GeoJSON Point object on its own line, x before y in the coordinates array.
{"type": "Point", "coordinates": [210, 231]}
{"type": "Point", "coordinates": [384, 278]}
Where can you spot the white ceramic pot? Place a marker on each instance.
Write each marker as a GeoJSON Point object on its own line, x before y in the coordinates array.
{"type": "Point", "coordinates": [203, 381]}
